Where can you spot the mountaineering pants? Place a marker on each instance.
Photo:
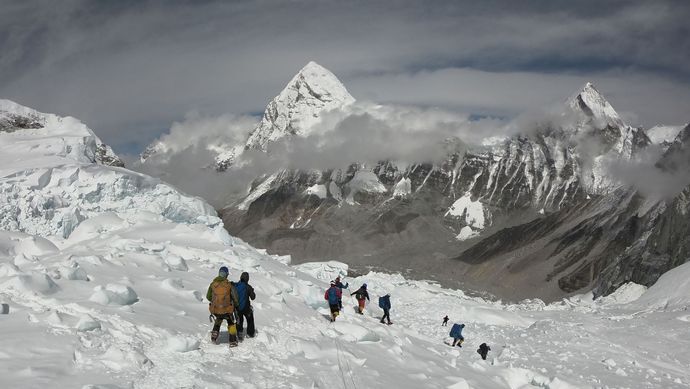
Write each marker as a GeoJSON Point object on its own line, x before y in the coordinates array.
{"type": "Point", "coordinates": [335, 310]}
{"type": "Point", "coordinates": [458, 341]}
{"type": "Point", "coordinates": [232, 329]}
{"type": "Point", "coordinates": [386, 315]}
{"type": "Point", "coordinates": [247, 313]}
{"type": "Point", "coordinates": [361, 305]}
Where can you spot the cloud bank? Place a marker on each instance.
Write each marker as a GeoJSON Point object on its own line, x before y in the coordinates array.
{"type": "Point", "coordinates": [129, 69]}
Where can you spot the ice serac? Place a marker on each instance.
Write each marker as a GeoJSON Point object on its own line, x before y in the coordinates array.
{"type": "Point", "coordinates": [55, 173]}
{"type": "Point", "coordinates": [299, 106]}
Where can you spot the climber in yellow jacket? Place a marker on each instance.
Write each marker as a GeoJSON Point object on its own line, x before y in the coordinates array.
{"type": "Point", "coordinates": [223, 300]}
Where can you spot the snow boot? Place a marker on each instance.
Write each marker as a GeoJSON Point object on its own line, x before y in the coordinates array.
{"type": "Point", "coordinates": [214, 336]}
{"type": "Point", "coordinates": [232, 344]}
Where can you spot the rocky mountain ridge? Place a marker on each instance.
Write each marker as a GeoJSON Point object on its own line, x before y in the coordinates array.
{"type": "Point", "coordinates": [546, 192]}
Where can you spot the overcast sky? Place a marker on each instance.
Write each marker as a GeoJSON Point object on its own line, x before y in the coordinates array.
{"type": "Point", "coordinates": [129, 69]}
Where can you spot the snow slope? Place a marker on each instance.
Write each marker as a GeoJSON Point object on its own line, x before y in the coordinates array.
{"type": "Point", "coordinates": [118, 303]}
{"type": "Point", "coordinates": [123, 307]}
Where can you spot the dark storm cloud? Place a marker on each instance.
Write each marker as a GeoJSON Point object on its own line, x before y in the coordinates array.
{"type": "Point", "coordinates": [129, 69]}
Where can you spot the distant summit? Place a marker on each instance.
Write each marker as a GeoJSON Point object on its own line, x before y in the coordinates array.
{"type": "Point", "coordinates": [592, 104]}
{"type": "Point", "coordinates": [294, 111]}
{"type": "Point", "coordinates": [313, 90]}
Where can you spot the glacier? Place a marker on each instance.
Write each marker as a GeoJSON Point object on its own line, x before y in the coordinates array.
{"type": "Point", "coordinates": [52, 179]}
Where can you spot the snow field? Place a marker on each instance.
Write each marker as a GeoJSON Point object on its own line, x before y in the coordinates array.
{"type": "Point", "coordinates": [471, 213]}
{"type": "Point", "coordinates": [58, 333]}
{"type": "Point", "coordinates": [103, 274]}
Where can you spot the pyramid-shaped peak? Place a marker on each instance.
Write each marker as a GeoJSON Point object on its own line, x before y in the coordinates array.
{"type": "Point", "coordinates": [313, 67]}
{"type": "Point", "coordinates": [298, 107]}
{"type": "Point", "coordinates": [593, 104]}
{"type": "Point", "coordinates": [313, 70]}
{"type": "Point", "coordinates": [320, 83]}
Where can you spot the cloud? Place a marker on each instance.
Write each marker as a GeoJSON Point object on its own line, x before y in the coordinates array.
{"type": "Point", "coordinates": [210, 132]}
{"type": "Point", "coordinates": [129, 69]}
{"type": "Point", "coordinates": [508, 94]}
{"type": "Point", "coordinates": [364, 133]}
{"type": "Point", "coordinates": [656, 173]}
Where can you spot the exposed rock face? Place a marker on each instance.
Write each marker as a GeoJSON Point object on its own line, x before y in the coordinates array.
{"type": "Point", "coordinates": [106, 156]}
{"type": "Point", "coordinates": [10, 122]}
{"type": "Point", "coordinates": [602, 243]}
{"type": "Point", "coordinates": [661, 235]}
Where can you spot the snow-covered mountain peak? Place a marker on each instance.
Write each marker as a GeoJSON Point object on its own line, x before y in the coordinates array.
{"type": "Point", "coordinates": [313, 90]}
{"type": "Point", "coordinates": [61, 136]}
{"type": "Point", "coordinates": [593, 104]}
{"type": "Point", "coordinates": [320, 83]}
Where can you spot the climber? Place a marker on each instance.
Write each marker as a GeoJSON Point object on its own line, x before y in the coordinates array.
{"type": "Point", "coordinates": [340, 285]}
{"type": "Point", "coordinates": [223, 300]}
{"type": "Point", "coordinates": [333, 295]}
{"type": "Point", "coordinates": [483, 350]}
{"type": "Point", "coordinates": [385, 304]}
{"type": "Point", "coordinates": [245, 293]}
{"type": "Point", "coordinates": [361, 294]}
{"type": "Point", "coordinates": [456, 334]}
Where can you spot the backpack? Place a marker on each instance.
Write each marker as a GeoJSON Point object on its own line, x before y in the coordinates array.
{"type": "Point", "coordinates": [333, 295]}
{"type": "Point", "coordinates": [221, 303]}
{"type": "Point", "coordinates": [359, 294]}
{"type": "Point", "coordinates": [456, 331]}
{"type": "Point", "coordinates": [241, 288]}
{"type": "Point", "coordinates": [384, 302]}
